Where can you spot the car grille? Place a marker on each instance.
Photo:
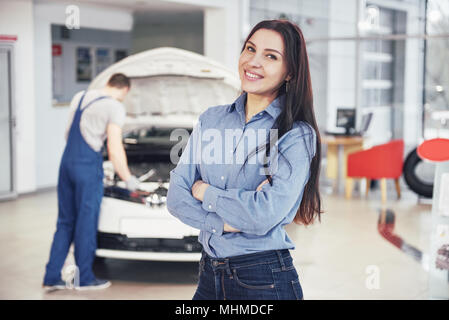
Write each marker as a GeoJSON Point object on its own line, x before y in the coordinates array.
{"type": "Point", "coordinates": [115, 241]}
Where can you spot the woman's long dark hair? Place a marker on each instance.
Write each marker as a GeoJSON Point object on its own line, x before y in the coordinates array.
{"type": "Point", "coordinates": [298, 107]}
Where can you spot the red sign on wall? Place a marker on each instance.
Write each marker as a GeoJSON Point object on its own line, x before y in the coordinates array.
{"type": "Point", "coordinates": [4, 37]}
{"type": "Point", "coordinates": [56, 50]}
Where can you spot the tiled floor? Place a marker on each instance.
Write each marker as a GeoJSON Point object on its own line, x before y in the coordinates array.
{"type": "Point", "coordinates": [343, 257]}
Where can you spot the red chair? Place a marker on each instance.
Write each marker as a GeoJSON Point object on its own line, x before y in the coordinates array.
{"type": "Point", "coordinates": [379, 162]}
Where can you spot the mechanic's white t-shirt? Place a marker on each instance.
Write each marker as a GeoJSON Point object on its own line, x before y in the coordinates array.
{"type": "Point", "coordinates": [95, 119]}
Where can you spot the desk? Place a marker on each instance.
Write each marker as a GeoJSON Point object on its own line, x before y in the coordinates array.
{"type": "Point", "coordinates": [338, 148]}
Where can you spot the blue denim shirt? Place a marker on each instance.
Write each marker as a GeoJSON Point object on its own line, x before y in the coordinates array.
{"type": "Point", "coordinates": [212, 156]}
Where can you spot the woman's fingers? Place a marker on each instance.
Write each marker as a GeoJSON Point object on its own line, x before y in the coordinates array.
{"type": "Point", "coordinates": [228, 228]}
{"type": "Point", "coordinates": [195, 188]}
{"type": "Point", "coordinates": [261, 185]}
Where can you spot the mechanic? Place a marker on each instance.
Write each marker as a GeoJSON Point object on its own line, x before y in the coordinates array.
{"type": "Point", "coordinates": [94, 116]}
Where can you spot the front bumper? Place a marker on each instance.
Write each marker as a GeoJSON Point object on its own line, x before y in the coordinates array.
{"type": "Point", "coordinates": [114, 241]}
{"type": "Point", "coordinates": [119, 246]}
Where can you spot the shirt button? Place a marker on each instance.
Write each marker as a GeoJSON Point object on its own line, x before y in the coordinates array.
{"type": "Point", "coordinates": [213, 230]}
{"type": "Point", "coordinates": [222, 178]}
{"type": "Point", "coordinates": [210, 207]}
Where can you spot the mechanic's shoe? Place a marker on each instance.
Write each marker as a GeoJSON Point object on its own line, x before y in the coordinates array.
{"type": "Point", "coordinates": [60, 285]}
{"type": "Point", "coordinates": [97, 284]}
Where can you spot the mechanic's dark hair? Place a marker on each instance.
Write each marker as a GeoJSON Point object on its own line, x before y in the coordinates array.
{"type": "Point", "coordinates": [298, 106]}
{"type": "Point", "coordinates": [119, 80]}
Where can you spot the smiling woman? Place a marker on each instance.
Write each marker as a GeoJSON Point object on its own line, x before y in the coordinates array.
{"type": "Point", "coordinates": [262, 68]}
{"type": "Point", "coordinates": [242, 208]}
{"type": "Point", "coordinates": [283, 56]}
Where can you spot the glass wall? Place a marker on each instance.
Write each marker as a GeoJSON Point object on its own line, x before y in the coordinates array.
{"type": "Point", "coordinates": [436, 94]}
{"type": "Point", "coordinates": [366, 55]}
{"type": "Point", "coordinates": [390, 59]}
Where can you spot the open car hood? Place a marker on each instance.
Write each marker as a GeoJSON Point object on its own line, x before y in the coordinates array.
{"type": "Point", "coordinates": [171, 87]}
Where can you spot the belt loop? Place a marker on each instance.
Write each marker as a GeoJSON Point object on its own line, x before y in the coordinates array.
{"type": "Point", "coordinates": [202, 260]}
{"type": "Point", "coordinates": [281, 260]}
{"type": "Point", "coordinates": [228, 268]}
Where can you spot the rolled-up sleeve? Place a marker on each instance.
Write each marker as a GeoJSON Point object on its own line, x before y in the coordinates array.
{"type": "Point", "coordinates": [257, 212]}
{"type": "Point", "coordinates": [180, 201]}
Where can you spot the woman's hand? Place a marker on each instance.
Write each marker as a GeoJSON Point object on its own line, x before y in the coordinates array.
{"type": "Point", "coordinates": [198, 189]}
{"type": "Point", "coordinates": [259, 187]}
{"type": "Point", "coordinates": [228, 228]}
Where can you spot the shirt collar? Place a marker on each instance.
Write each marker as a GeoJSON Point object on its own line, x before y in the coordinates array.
{"type": "Point", "coordinates": [273, 109]}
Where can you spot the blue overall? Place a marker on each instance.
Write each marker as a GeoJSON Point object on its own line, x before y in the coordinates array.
{"type": "Point", "coordinates": [80, 190]}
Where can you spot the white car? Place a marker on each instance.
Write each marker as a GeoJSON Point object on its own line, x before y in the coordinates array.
{"type": "Point", "coordinates": [169, 89]}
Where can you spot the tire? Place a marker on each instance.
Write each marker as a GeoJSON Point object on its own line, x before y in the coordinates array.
{"type": "Point", "coordinates": [99, 260]}
{"type": "Point", "coordinates": [413, 181]}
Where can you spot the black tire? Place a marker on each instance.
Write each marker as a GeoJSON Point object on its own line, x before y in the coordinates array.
{"type": "Point", "coordinates": [99, 260]}
{"type": "Point", "coordinates": [413, 181]}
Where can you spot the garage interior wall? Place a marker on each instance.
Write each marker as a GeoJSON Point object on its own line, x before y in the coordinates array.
{"type": "Point", "coordinates": [16, 19]}
{"type": "Point", "coordinates": [184, 30]}
{"type": "Point", "coordinates": [40, 125]}
{"type": "Point", "coordinates": [65, 64]}
{"type": "Point", "coordinates": [50, 120]}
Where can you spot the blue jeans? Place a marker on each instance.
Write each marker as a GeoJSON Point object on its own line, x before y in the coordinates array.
{"type": "Point", "coordinates": [267, 275]}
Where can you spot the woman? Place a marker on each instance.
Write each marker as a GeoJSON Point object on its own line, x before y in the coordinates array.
{"type": "Point", "coordinates": [241, 205]}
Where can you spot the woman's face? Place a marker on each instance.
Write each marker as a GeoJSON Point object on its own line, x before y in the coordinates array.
{"type": "Point", "coordinates": [262, 63]}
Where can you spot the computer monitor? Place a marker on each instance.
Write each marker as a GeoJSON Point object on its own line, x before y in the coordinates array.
{"type": "Point", "coordinates": [346, 119]}
{"type": "Point", "coordinates": [366, 120]}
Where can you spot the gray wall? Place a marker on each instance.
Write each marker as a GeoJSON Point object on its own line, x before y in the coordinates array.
{"type": "Point", "coordinates": [183, 30]}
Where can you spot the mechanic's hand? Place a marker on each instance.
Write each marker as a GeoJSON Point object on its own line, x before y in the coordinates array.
{"type": "Point", "coordinates": [132, 183]}
{"type": "Point", "coordinates": [199, 189]}
{"type": "Point", "coordinates": [262, 184]}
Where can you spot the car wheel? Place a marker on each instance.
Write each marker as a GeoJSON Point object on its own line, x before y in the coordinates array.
{"type": "Point", "coordinates": [414, 182]}
{"type": "Point", "coordinates": [100, 260]}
